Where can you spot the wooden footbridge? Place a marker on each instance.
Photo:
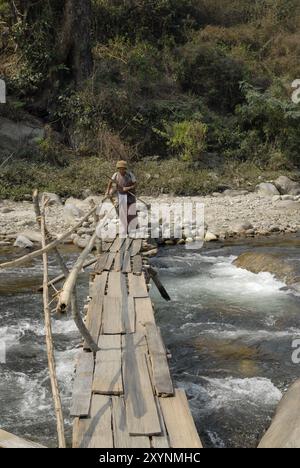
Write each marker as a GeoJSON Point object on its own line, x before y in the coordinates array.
{"type": "Point", "coordinates": [124, 395]}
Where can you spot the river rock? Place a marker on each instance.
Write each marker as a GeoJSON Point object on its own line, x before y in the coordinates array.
{"type": "Point", "coordinates": [210, 236]}
{"type": "Point", "coordinates": [235, 193]}
{"type": "Point", "coordinates": [257, 262]}
{"type": "Point", "coordinates": [6, 210]}
{"type": "Point", "coordinates": [33, 236]}
{"type": "Point", "coordinates": [267, 189]}
{"type": "Point", "coordinates": [284, 431]}
{"type": "Point", "coordinates": [71, 212]}
{"type": "Point", "coordinates": [23, 243]}
{"type": "Point", "coordinates": [239, 227]}
{"type": "Point", "coordinates": [287, 186]}
{"type": "Point", "coordinates": [52, 197]}
{"type": "Point", "coordinates": [287, 205]}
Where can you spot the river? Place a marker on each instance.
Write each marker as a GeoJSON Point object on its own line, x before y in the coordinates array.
{"type": "Point", "coordinates": [229, 332]}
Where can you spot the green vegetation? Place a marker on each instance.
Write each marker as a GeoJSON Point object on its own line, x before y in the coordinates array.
{"type": "Point", "coordinates": [174, 85]}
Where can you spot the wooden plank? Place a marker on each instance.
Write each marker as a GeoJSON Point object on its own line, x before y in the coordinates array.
{"type": "Point", "coordinates": [108, 368]}
{"type": "Point", "coordinates": [179, 422]}
{"type": "Point", "coordinates": [10, 441]}
{"type": "Point", "coordinates": [106, 246]}
{"type": "Point", "coordinates": [112, 322]}
{"type": "Point", "coordinates": [137, 285]}
{"type": "Point", "coordinates": [110, 261]}
{"type": "Point", "coordinates": [118, 261]}
{"type": "Point", "coordinates": [95, 431]}
{"type": "Point", "coordinates": [161, 373]}
{"type": "Point", "coordinates": [117, 244]}
{"type": "Point", "coordinates": [144, 310]}
{"type": "Point", "coordinates": [128, 243]}
{"type": "Point", "coordinates": [141, 411]}
{"type": "Point", "coordinates": [95, 308]}
{"type": "Point", "coordinates": [100, 265]}
{"type": "Point", "coordinates": [82, 387]}
{"type": "Point", "coordinates": [116, 284]}
{"type": "Point", "coordinates": [129, 314]}
{"type": "Point", "coordinates": [136, 247]}
{"type": "Point", "coordinates": [122, 438]}
{"type": "Point", "coordinates": [126, 268]}
{"type": "Point", "coordinates": [137, 265]}
{"type": "Point", "coordinates": [160, 441]}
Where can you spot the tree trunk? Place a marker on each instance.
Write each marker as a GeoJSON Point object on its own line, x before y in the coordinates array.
{"type": "Point", "coordinates": [75, 41]}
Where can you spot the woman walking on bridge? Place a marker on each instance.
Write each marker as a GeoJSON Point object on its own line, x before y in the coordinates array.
{"type": "Point", "coordinates": [125, 182]}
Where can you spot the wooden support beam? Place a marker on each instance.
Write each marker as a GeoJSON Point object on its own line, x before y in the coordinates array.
{"type": "Point", "coordinates": [82, 388]}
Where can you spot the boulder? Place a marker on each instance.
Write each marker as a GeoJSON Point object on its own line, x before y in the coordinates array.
{"type": "Point", "coordinates": [33, 236]}
{"type": "Point", "coordinates": [284, 431]}
{"type": "Point", "coordinates": [52, 197]}
{"type": "Point", "coordinates": [257, 262]}
{"type": "Point", "coordinates": [267, 189]}
{"type": "Point", "coordinates": [71, 212]}
{"type": "Point", "coordinates": [240, 226]}
{"type": "Point", "coordinates": [15, 136]}
{"type": "Point", "coordinates": [235, 193]}
{"type": "Point", "coordinates": [287, 186]}
{"type": "Point", "coordinates": [23, 243]}
{"type": "Point", "coordinates": [209, 237]}
{"type": "Point", "coordinates": [287, 205]}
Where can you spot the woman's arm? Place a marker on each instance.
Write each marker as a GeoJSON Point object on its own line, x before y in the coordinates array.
{"type": "Point", "coordinates": [108, 188]}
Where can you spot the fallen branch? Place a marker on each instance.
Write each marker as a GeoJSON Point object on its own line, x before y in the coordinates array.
{"type": "Point", "coordinates": [49, 343]}
{"type": "Point", "coordinates": [154, 276]}
{"type": "Point", "coordinates": [47, 248]}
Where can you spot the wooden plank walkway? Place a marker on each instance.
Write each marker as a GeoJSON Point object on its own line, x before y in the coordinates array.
{"type": "Point", "coordinates": [124, 396]}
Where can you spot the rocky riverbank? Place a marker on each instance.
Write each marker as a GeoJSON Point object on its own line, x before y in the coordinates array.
{"type": "Point", "coordinates": [272, 208]}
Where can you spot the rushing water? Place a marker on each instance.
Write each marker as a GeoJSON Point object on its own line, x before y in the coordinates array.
{"type": "Point", "coordinates": [229, 331]}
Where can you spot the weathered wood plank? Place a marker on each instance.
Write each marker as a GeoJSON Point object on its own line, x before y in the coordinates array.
{"type": "Point", "coordinates": [82, 387]}
{"type": "Point", "coordinates": [112, 322]}
{"type": "Point", "coordinates": [176, 409]}
{"type": "Point", "coordinates": [161, 373]}
{"type": "Point", "coordinates": [137, 285]}
{"type": "Point", "coordinates": [136, 247]}
{"type": "Point", "coordinates": [116, 284]}
{"type": "Point", "coordinates": [118, 261]}
{"type": "Point", "coordinates": [160, 441]}
{"type": "Point", "coordinates": [122, 438]}
{"type": "Point", "coordinates": [95, 431]}
{"type": "Point", "coordinates": [144, 310]}
{"type": "Point", "coordinates": [106, 246]}
{"type": "Point", "coordinates": [10, 441]}
{"type": "Point", "coordinates": [117, 244]}
{"type": "Point", "coordinates": [126, 268]}
{"type": "Point", "coordinates": [141, 411]}
{"type": "Point", "coordinates": [108, 368]}
{"type": "Point", "coordinates": [137, 265]}
{"type": "Point", "coordinates": [109, 261]}
{"type": "Point", "coordinates": [129, 314]}
{"type": "Point", "coordinates": [101, 262]}
{"type": "Point", "coordinates": [128, 243]}
{"type": "Point", "coordinates": [95, 308]}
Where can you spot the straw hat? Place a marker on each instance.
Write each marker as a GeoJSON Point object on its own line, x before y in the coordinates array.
{"type": "Point", "coordinates": [121, 165]}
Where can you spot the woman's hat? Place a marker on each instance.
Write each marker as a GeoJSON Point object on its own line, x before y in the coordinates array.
{"type": "Point", "coordinates": [122, 165]}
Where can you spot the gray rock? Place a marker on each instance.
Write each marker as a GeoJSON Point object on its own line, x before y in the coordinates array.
{"type": "Point", "coordinates": [288, 197]}
{"type": "Point", "coordinates": [267, 189]}
{"type": "Point", "coordinates": [33, 236]}
{"type": "Point", "coordinates": [22, 242]}
{"type": "Point", "coordinates": [287, 186]}
{"type": "Point", "coordinates": [241, 226]}
{"type": "Point", "coordinates": [52, 197]}
{"type": "Point", "coordinates": [210, 236]}
{"type": "Point", "coordinates": [71, 212]}
{"type": "Point", "coordinates": [287, 205]}
{"type": "Point", "coordinates": [235, 193]}
{"type": "Point", "coordinates": [86, 193]}
{"type": "Point", "coordinates": [6, 210]}
{"type": "Point", "coordinates": [15, 136]}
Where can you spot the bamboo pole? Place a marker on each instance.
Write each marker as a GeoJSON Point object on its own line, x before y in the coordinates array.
{"type": "Point", "coordinates": [75, 313]}
{"type": "Point", "coordinates": [49, 343]}
{"type": "Point", "coordinates": [48, 247]}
